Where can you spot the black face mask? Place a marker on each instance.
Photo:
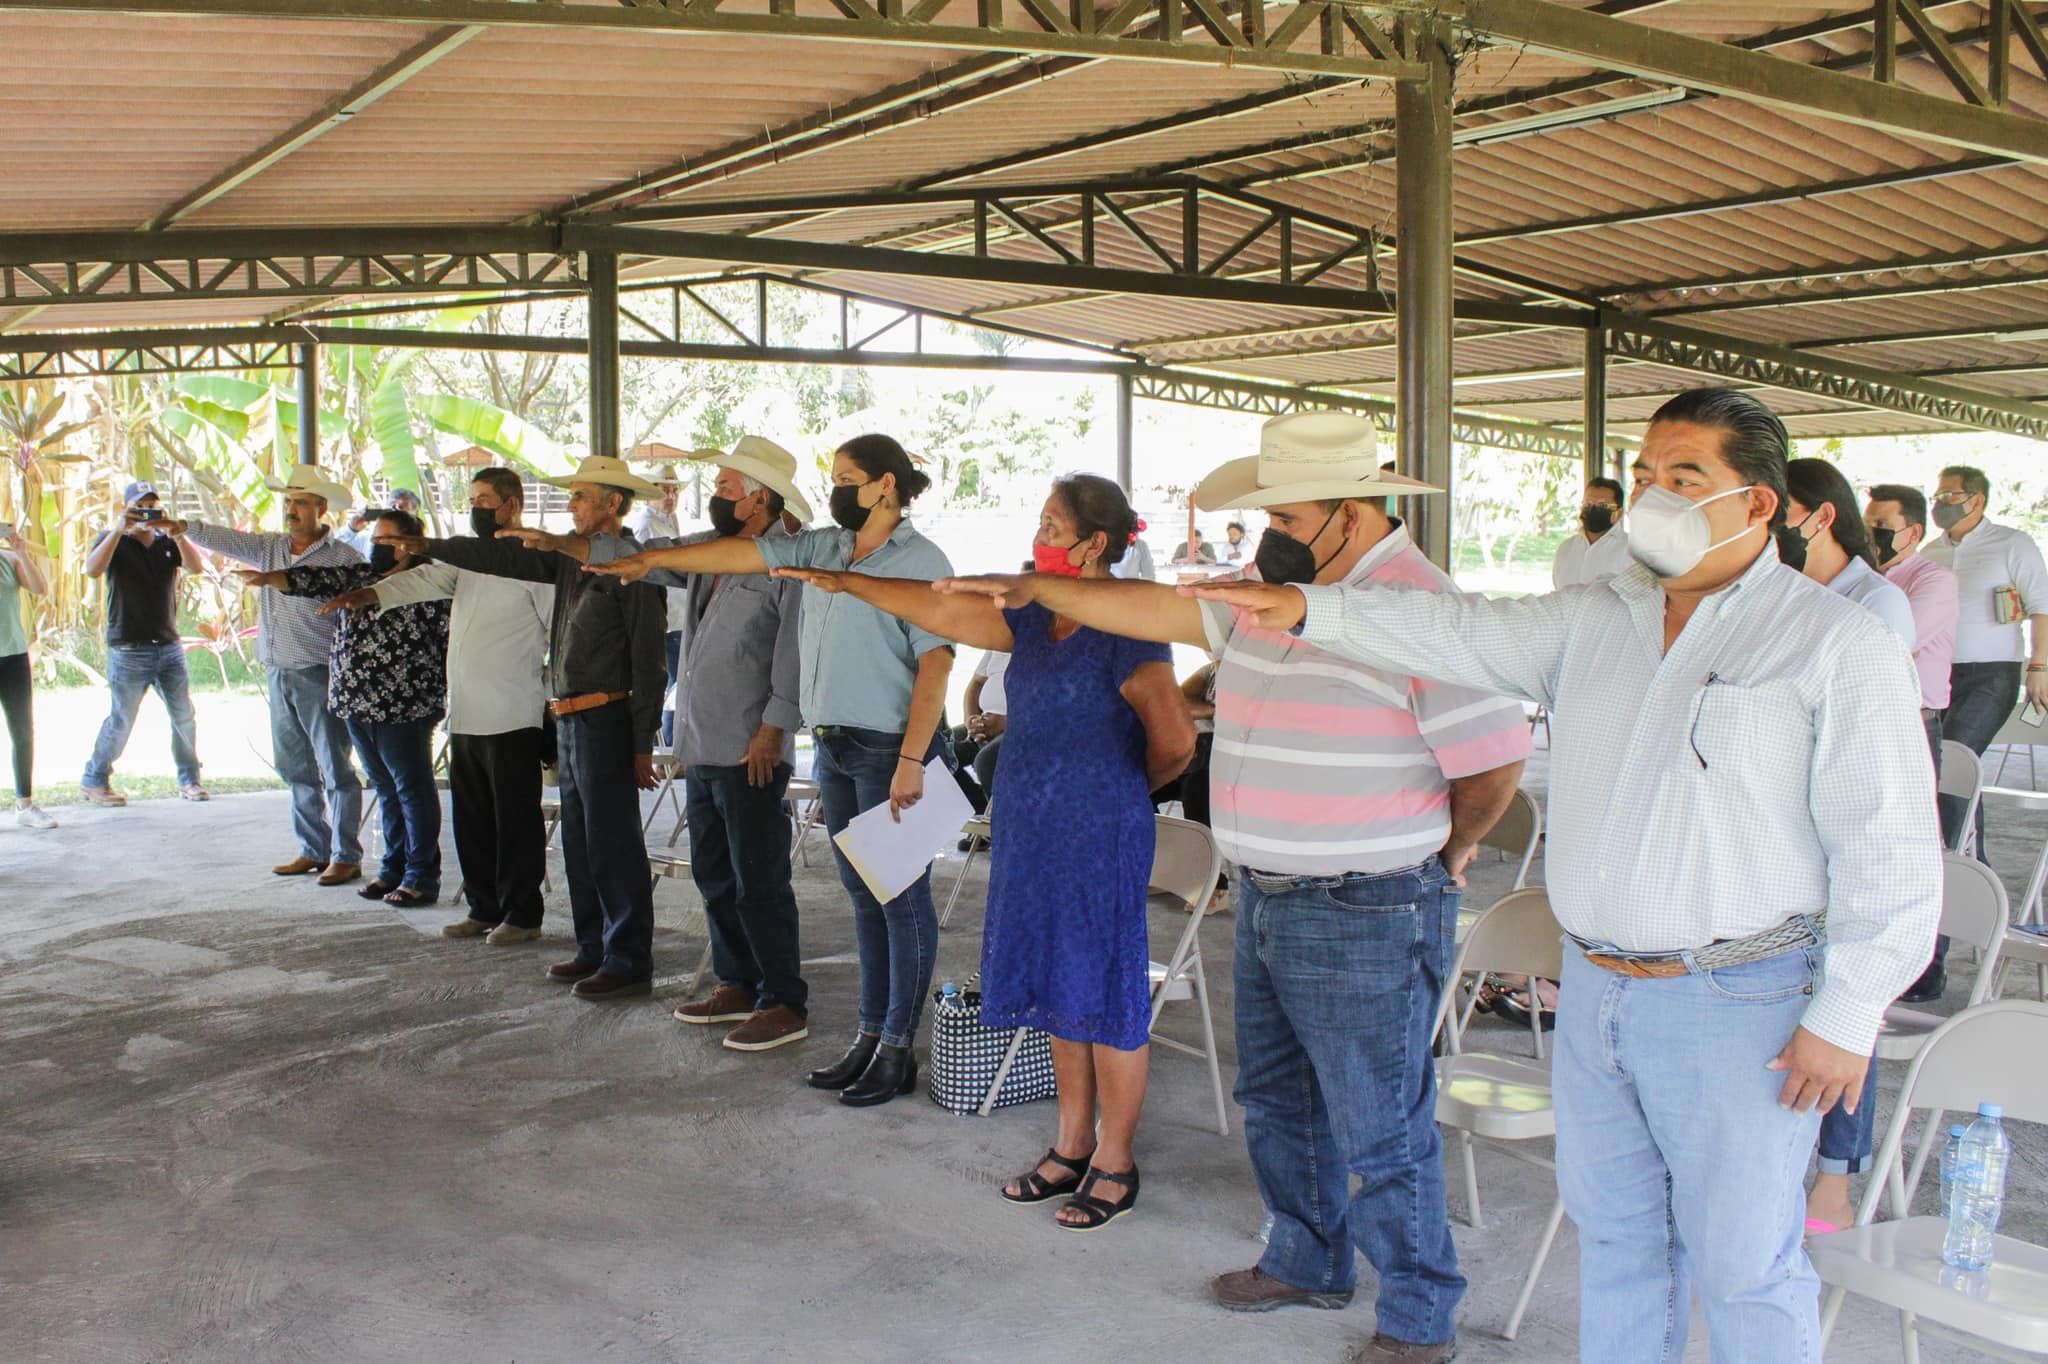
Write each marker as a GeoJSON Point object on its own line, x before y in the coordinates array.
{"type": "Point", "coordinates": [1597, 517]}
{"type": "Point", "coordinates": [1881, 541]}
{"type": "Point", "coordinates": [1284, 559]}
{"type": "Point", "coordinates": [484, 521]}
{"type": "Point", "coordinates": [383, 558]}
{"type": "Point", "coordinates": [846, 507]}
{"type": "Point", "coordinates": [723, 518]}
{"type": "Point", "coordinates": [1791, 546]}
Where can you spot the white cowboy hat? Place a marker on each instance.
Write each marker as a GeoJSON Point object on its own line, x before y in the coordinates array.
{"type": "Point", "coordinates": [1307, 457]}
{"type": "Point", "coordinates": [666, 476]}
{"type": "Point", "coordinates": [310, 478]}
{"type": "Point", "coordinates": [607, 472]}
{"type": "Point", "coordinates": [765, 462]}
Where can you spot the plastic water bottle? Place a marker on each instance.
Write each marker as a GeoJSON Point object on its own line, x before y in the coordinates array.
{"type": "Point", "coordinates": [949, 998]}
{"type": "Point", "coordinates": [1978, 1195]}
{"type": "Point", "coordinates": [1948, 1163]}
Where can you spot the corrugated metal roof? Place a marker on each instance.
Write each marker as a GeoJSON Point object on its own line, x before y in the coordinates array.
{"type": "Point", "coordinates": [111, 120]}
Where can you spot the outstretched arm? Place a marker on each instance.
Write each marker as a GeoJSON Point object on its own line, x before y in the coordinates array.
{"type": "Point", "coordinates": [723, 556]}
{"type": "Point", "coordinates": [972, 620]}
{"type": "Point", "coordinates": [1116, 606]}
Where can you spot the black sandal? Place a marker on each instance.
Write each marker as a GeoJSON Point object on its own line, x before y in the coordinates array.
{"type": "Point", "coordinates": [1038, 1189]}
{"type": "Point", "coordinates": [376, 890]}
{"type": "Point", "coordinates": [1099, 1213]}
{"type": "Point", "coordinates": [1509, 1006]}
{"type": "Point", "coordinates": [407, 897]}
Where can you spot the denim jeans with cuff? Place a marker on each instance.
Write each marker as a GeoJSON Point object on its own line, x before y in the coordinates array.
{"type": "Point", "coordinates": [398, 759]}
{"type": "Point", "coordinates": [132, 669]}
{"type": "Point", "coordinates": [739, 859]}
{"type": "Point", "coordinates": [310, 749]}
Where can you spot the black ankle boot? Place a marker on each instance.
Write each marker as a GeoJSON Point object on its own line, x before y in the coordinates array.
{"type": "Point", "coordinates": [892, 1072]}
{"type": "Point", "coordinates": [849, 1067]}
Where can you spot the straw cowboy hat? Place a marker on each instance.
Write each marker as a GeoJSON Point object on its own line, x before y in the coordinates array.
{"type": "Point", "coordinates": [309, 478]}
{"type": "Point", "coordinates": [665, 476]}
{"type": "Point", "coordinates": [765, 462]}
{"type": "Point", "coordinates": [607, 472]}
{"type": "Point", "coordinates": [1307, 457]}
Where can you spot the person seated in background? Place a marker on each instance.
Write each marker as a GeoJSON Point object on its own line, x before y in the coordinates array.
{"type": "Point", "coordinates": [1599, 549]}
{"type": "Point", "coordinates": [604, 667]}
{"type": "Point", "coordinates": [978, 743]}
{"type": "Point", "coordinates": [19, 572]}
{"type": "Point", "coordinates": [497, 700]}
{"type": "Point", "coordinates": [1098, 718]}
{"type": "Point", "coordinates": [388, 682]}
{"type": "Point", "coordinates": [1194, 550]}
{"type": "Point", "coordinates": [1234, 547]}
{"type": "Point", "coordinates": [1137, 560]}
{"type": "Point", "coordinates": [141, 565]}
{"type": "Point", "coordinates": [309, 745]}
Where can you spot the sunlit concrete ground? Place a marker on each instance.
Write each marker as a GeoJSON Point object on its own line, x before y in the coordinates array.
{"type": "Point", "coordinates": [245, 1119]}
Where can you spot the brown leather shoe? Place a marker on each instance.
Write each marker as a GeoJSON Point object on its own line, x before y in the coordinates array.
{"type": "Point", "coordinates": [571, 971]}
{"type": "Point", "coordinates": [1387, 1350]}
{"type": "Point", "coordinates": [466, 928]}
{"type": "Point", "coordinates": [769, 1029]}
{"type": "Point", "coordinates": [1254, 1290]}
{"type": "Point", "coordinates": [510, 935]}
{"type": "Point", "coordinates": [340, 873]}
{"type": "Point", "coordinates": [299, 866]}
{"type": "Point", "coordinates": [601, 986]}
{"type": "Point", "coordinates": [103, 795]}
{"type": "Point", "coordinates": [727, 1004]}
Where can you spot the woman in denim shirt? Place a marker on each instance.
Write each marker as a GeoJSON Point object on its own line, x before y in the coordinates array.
{"type": "Point", "coordinates": [872, 691]}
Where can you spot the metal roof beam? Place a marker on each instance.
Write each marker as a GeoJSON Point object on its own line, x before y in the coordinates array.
{"type": "Point", "coordinates": [1945, 286]}
{"type": "Point", "coordinates": [1665, 343]}
{"type": "Point", "coordinates": [1979, 255]}
{"type": "Point", "coordinates": [1347, 44]}
{"type": "Point", "coordinates": [1702, 64]}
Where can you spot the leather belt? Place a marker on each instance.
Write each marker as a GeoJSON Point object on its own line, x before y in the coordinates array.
{"type": "Point", "coordinates": [1799, 931]}
{"type": "Point", "coordinates": [589, 700]}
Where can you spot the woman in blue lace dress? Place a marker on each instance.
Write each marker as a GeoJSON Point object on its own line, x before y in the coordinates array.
{"type": "Point", "coordinates": [1096, 723]}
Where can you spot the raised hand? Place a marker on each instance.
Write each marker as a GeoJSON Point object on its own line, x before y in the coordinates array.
{"type": "Point", "coordinates": [362, 599]}
{"type": "Point", "coordinates": [1272, 606]}
{"type": "Point", "coordinates": [824, 579]}
{"type": "Point", "coordinates": [1010, 590]}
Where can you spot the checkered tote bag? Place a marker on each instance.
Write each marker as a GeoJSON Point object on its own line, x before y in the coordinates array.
{"type": "Point", "coordinates": [966, 1054]}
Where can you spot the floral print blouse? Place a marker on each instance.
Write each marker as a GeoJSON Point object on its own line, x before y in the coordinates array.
{"type": "Point", "coordinates": [384, 667]}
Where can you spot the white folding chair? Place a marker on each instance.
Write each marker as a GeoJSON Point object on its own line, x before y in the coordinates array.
{"type": "Point", "coordinates": [1540, 718]}
{"type": "Point", "coordinates": [671, 778]}
{"type": "Point", "coordinates": [1982, 1055]}
{"type": "Point", "coordinates": [2017, 733]}
{"type": "Point", "coordinates": [1516, 834]}
{"type": "Point", "coordinates": [551, 813]}
{"type": "Point", "coordinates": [1504, 1101]}
{"type": "Point", "coordinates": [806, 802]}
{"type": "Point", "coordinates": [1962, 776]}
{"type": "Point", "coordinates": [1185, 865]}
{"type": "Point", "coordinates": [675, 866]}
{"type": "Point", "coordinates": [976, 831]}
{"type": "Point", "coordinates": [2021, 944]}
{"type": "Point", "coordinates": [1973, 914]}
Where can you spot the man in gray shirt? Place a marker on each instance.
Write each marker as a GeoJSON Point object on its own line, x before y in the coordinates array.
{"type": "Point", "coordinates": [735, 736]}
{"type": "Point", "coordinates": [309, 745]}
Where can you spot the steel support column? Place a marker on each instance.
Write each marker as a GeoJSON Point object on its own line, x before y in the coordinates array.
{"type": "Point", "coordinates": [1422, 354]}
{"type": "Point", "coordinates": [1595, 453]}
{"type": "Point", "coordinates": [601, 272]}
{"type": "Point", "coordinates": [1123, 432]}
{"type": "Point", "coordinates": [309, 404]}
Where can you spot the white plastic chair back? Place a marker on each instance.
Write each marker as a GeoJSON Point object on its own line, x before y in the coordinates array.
{"type": "Point", "coordinates": [1973, 911]}
{"type": "Point", "coordinates": [1516, 833]}
{"type": "Point", "coordinates": [1518, 935]}
{"type": "Point", "coordinates": [1962, 777]}
{"type": "Point", "coordinates": [1185, 864]}
{"type": "Point", "coordinates": [1185, 861]}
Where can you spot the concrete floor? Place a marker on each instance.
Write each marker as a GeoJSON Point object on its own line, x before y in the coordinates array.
{"type": "Point", "coordinates": [251, 1120]}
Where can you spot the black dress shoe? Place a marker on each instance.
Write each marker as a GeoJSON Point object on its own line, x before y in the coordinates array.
{"type": "Point", "coordinates": [847, 1068]}
{"type": "Point", "coordinates": [892, 1072]}
{"type": "Point", "coordinates": [1933, 983]}
{"type": "Point", "coordinates": [601, 985]}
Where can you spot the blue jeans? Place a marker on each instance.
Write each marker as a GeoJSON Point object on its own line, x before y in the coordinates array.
{"type": "Point", "coordinates": [739, 859]}
{"type": "Point", "coordinates": [398, 758]}
{"type": "Point", "coordinates": [604, 857]}
{"type": "Point", "coordinates": [132, 669]}
{"type": "Point", "coordinates": [898, 941]}
{"type": "Point", "coordinates": [1679, 1167]}
{"type": "Point", "coordinates": [310, 747]}
{"type": "Point", "coordinates": [1337, 983]}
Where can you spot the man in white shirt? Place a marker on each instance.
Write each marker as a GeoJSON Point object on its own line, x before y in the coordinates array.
{"type": "Point", "coordinates": [655, 519]}
{"type": "Point", "coordinates": [1600, 548]}
{"type": "Point", "coordinates": [1743, 854]}
{"type": "Point", "coordinates": [2002, 597]}
{"type": "Point", "coordinates": [497, 695]}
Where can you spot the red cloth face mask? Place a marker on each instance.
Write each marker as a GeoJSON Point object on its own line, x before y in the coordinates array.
{"type": "Point", "coordinates": [1053, 559]}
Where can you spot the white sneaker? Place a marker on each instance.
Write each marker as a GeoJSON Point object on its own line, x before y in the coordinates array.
{"type": "Point", "coordinates": [32, 817]}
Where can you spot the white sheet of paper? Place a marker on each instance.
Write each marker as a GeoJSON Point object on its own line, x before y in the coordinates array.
{"type": "Point", "coordinates": [888, 855]}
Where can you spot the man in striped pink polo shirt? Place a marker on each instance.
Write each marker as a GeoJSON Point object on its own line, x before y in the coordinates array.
{"type": "Point", "coordinates": [1352, 800]}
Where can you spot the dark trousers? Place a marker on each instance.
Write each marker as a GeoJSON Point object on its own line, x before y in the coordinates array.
{"type": "Point", "coordinates": [16, 688]}
{"type": "Point", "coordinates": [398, 759]}
{"type": "Point", "coordinates": [604, 857]}
{"type": "Point", "coordinates": [500, 837]}
{"type": "Point", "coordinates": [739, 858]}
{"type": "Point", "coordinates": [1194, 783]}
{"type": "Point", "coordinates": [672, 660]}
{"type": "Point", "coordinates": [1980, 700]}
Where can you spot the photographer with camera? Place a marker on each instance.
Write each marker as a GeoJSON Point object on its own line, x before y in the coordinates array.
{"type": "Point", "coordinates": [141, 563]}
{"type": "Point", "coordinates": [18, 571]}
